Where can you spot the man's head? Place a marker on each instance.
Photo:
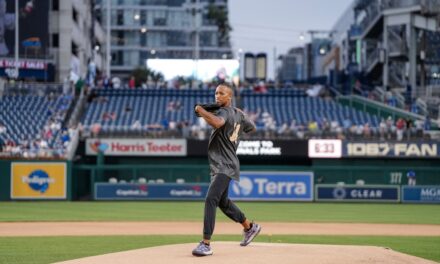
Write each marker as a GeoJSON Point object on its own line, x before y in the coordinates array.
{"type": "Point", "coordinates": [223, 95]}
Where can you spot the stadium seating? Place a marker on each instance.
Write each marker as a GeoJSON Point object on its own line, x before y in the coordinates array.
{"type": "Point", "coordinates": [131, 110]}
{"type": "Point", "coordinates": [148, 107]}
{"type": "Point", "coordinates": [285, 106]}
{"type": "Point", "coordinates": [25, 118]}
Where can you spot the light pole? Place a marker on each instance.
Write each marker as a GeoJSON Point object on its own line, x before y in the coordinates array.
{"type": "Point", "coordinates": [17, 46]}
{"type": "Point", "coordinates": [108, 58]}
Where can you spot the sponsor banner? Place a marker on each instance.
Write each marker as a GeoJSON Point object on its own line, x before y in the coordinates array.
{"type": "Point", "coordinates": [391, 149]}
{"type": "Point", "coordinates": [273, 186]}
{"type": "Point", "coordinates": [355, 193]}
{"type": "Point", "coordinates": [137, 191]}
{"type": "Point", "coordinates": [137, 147]}
{"type": "Point", "coordinates": [257, 148]}
{"type": "Point", "coordinates": [38, 180]}
{"type": "Point", "coordinates": [33, 31]}
{"type": "Point", "coordinates": [421, 194]}
{"type": "Point", "coordinates": [325, 148]}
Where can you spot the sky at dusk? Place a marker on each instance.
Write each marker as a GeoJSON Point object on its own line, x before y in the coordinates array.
{"type": "Point", "coordinates": [275, 26]}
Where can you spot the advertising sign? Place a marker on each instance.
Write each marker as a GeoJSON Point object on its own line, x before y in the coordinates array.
{"type": "Point", "coordinates": [137, 191]}
{"type": "Point", "coordinates": [355, 193]}
{"type": "Point", "coordinates": [38, 180]}
{"type": "Point", "coordinates": [325, 148]}
{"type": "Point", "coordinates": [33, 28]}
{"type": "Point", "coordinates": [391, 149]}
{"type": "Point", "coordinates": [421, 194]}
{"type": "Point", "coordinates": [272, 186]}
{"type": "Point", "coordinates": [257, 148]}
{"type": "Point", "coordinates": [136, 147]}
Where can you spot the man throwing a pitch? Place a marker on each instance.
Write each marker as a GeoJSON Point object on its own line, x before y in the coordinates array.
{"type": "Point", "coordinates": [228, 124]}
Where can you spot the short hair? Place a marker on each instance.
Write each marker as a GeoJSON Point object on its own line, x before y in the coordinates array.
{"type": "Point", "coordinates": [227, 85]}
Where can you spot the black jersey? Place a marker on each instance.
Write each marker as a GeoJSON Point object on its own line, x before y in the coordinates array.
{"type": "Point", "coordinates": [224, 141]}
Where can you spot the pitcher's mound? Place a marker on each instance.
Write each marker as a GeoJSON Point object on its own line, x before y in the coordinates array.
{"type": "Point", "coordinates": [255, 253]}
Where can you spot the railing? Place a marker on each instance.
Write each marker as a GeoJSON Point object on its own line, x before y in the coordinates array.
{"type": "Point", "coordinates": [373, 10]}
{"type": "Point", "coordinates": [396, 74]}
{"type": "Point", "coordinates": [71, 148]}
{"type": "Point", "coordinates": [372, 59]}
{"type": "Point", "coordinates": [396, 44]}
{"type": "Point", "coordinates": [41, 89]}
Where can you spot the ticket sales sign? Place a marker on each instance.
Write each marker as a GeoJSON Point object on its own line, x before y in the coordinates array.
{"type": "Point", "coordinates": [137, 147]}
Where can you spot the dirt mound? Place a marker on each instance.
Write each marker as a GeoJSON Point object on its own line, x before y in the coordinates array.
{"type": "Point", "coordinates": [256, 253]}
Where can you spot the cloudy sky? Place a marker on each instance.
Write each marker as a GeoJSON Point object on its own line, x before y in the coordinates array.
{"type": "Point", "coordinates": [274, 26]}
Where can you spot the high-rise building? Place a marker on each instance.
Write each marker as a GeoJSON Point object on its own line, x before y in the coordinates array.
{"type": "Point", "coordinates": [54, 38]}
{"type": "Point", "coordinates": [165, 29]}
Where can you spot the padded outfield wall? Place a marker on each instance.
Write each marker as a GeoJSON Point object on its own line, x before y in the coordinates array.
{"type": "Point", "coordinates": [76, 181]}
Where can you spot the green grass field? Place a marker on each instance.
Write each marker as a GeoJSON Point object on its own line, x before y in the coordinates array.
{"type": "Point", "coordinates": [51, 249]}
{"type": "Point", "coordinates": [193, 211]}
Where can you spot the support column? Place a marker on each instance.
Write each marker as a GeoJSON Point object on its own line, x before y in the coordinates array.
{"type": "Point", "coordinates": [412, 44]}
{"type": "Point", "coordinates": [385, 68]}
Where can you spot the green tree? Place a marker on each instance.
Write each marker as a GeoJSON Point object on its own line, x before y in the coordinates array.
{"type": "Point", "coordinates": [220, 18]}
{"type": "Point", "coordinates": [140, 75]}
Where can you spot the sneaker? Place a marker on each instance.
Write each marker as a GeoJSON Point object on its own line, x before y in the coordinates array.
{"type": "Point", "coordinates": [202, 250]}
{"type": "Point", "coordinates": [249, 235]}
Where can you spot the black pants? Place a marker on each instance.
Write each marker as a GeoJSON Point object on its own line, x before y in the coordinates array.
{"type": "Point", "coordinates": [217, 196]}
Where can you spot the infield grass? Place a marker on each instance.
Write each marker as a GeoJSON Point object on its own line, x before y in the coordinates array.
{"type": "Point", "coordinates": [193, 211]}
{"type": "Point", "coordinates": [26, 250]}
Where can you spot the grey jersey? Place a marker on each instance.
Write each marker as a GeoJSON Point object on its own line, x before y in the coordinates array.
{"type": "Point", "coordinates": [224, 141]}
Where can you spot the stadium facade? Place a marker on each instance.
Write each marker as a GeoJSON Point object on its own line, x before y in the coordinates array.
{"type": "Point", "coordinates": [393, 44]}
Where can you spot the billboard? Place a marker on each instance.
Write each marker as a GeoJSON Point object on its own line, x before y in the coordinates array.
{"type": "Point", "coordinates": [421, 194]}
{"type": "Point", "coordinates": [272, 186]}
{"type": "Point", "coordinates": [163, 191]}
{"type": "Point", "coordinates": [38, 180]}
{"type": "Point", "coordinates": [356, 193]}
{"type": "Point", "coordinates": [136, 147]}
{"type": "Point", "coordinates": [203, 70]}
{"type": "Point", "coordinates": [33, 26]}
{"type": "Point", "coordinates": [391, 149]}
{"type": "Point", "coordinates": [257, 148]}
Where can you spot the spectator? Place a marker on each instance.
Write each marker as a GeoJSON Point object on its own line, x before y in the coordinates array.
{"type": "Point", "coordinates": [411, 175]}
{"type": "Point", "coordinates": [132, 83]}
{"type": "Point", "coordinates": [3, 128]}
{"type": "Point", "coordinates": [400, 127]}
{"type": "Point", "coordinates": [427, 124]}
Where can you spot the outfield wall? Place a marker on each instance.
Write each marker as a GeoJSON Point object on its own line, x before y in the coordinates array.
{"type": "Point", "coordinates": [374, 163]}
